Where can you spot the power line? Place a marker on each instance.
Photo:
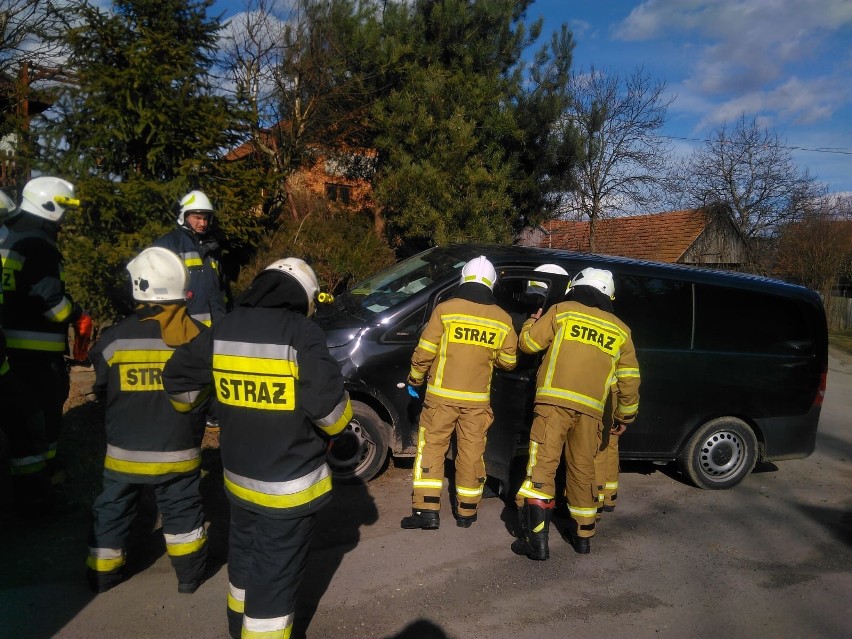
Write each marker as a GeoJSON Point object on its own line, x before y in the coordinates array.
{"type": "Point", "coordinates": [822, 149]}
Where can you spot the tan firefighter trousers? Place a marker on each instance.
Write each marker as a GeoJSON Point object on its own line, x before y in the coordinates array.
{"type": "Point", "coordinates": [438, 422]}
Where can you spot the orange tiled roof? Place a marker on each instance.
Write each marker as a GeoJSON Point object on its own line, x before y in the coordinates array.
{"type": "Point", "coordinates": [660, 237]}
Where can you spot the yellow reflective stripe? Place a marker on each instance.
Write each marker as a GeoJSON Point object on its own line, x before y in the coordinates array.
{"type": "Point", "coordinates": [611, 485]}
{"type": "Point", "coordinates": [530, 343]}
{"type": "Point", "coordinates": [627, 409]}
{"type": "Point", "coordinates": [270, 628]}
{"type": "Point", "coordinates": [26, 465]}
{"type": "Point", "coordinates": [416, 375]}
{"type": "Point", "coordinates": [590, 319]}
{"type": "Point", "coordinates": [469, 492]}
{"type": "Point", "coordinates": [582, 512]}
{"type": "Point", "coordinates": [236, 598]}
{"type": "Point", "coordinates": [418, 481]}
{"type": "Point", "coordinates": [474, 319]}
{"type": "Point", "coordinates": [338, 418]}
{"type": "Point", "coordinates": [529, 491]}
{"type": "Point", "coordinates": [105, 559]}
{"type": "Point", "coordinates": [193, 261]}
{"type": "Point", "coordinates": [151, 468]}
{"type": "Point", "coordinates": [428, 346]}
{"type": "Point", "coordinates": [255, 365]}
{"type": "Point", "coordinates": [186, 543]}
{"type": "Point", "coordinates": [291, 500]}
{"type": "Point", "coordinates": [509, 359]}
{"type": "Point", "coordinates": [482, 398]}
{"type": "Point", "coordinates": [627, 372]}
{"type": "Point", "coordinates": [34, 341]}
{"type": "Point", "coordinates": [585, 400]}
{"type": "Point", "coordinates": [60, 312]}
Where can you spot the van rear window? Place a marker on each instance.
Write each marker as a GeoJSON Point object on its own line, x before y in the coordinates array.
{"type": "Point", "coordinates": [744, 321]}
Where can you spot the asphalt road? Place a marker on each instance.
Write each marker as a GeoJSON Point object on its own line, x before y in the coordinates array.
{"type": "Point", "coordinates": [769, 558]}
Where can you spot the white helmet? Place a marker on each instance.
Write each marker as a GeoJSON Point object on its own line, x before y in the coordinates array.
{"type": "Point", "coordinates": [192, 202]}
{"type": "Point", "coordinates": [479, 270]}
{"type": "Point", "coordinates": [7, 207]}
{"type": "Point", "coordinates": [158, 275]}
{"type": "Point", "coordinates": [596, 277]}
{"type": "Point", "coordinates": [48, 198]}
{"type": "Point", "coordinates": [534, 286]}
{"type": "Point", "coordinates": [303, 274]}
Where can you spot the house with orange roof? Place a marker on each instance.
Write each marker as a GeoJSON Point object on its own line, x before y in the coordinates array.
{"type": "Point", "coordinates": [693, 236]}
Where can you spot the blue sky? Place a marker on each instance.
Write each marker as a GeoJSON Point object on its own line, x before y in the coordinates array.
{"type": "Point", "coordinates": [786, 63]}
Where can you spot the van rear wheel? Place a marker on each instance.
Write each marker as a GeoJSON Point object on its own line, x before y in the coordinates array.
{"type": "Point", "coordinates": [361, 450]}
{"type": "Point", "coordinates": [720, 454]}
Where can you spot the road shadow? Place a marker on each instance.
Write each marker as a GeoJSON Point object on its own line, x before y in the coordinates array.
{"type": "Point", "coordinates": [420, 629]}
{"type": "Point", "coordinates": [337, 532]}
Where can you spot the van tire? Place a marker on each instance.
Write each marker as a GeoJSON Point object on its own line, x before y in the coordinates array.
{"type": "Point", "coordinates": [719, 454]}
{"type": "Point", "coordinates": [361, 451]}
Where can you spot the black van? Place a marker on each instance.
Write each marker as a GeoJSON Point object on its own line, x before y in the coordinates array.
{"type": "Point", "coordinates": [733, 366]}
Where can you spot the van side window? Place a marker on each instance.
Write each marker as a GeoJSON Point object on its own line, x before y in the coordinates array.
{"type": "Point", "coordinates": [408, 330]}
{"type": "Point", "coordinates": [658, 311]}
{"type": "Point", "coordinates": [728, 319]}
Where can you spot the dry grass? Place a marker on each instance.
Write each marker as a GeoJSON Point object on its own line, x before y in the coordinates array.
{"type": "Point", "coordinates": [841, 340]}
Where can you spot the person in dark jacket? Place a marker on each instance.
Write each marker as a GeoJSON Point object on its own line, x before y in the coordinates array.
{"type": "Point", "coordinates": [37, 314]}
{"type": "Point", "coordinates": [281, 397]}
{"type": "Point", "coordinates": [192, 241]}
{"type": "Point", "coordinates": [148, 442]}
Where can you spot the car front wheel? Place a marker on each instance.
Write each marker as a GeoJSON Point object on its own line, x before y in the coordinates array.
{"type": "Point", "coordinates": [720, 454]}
{"type": "Point", "coordinates": [361, 450]}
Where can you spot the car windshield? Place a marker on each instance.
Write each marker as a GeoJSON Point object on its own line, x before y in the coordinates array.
{"type": "Point", "coordinates": [402, 280]}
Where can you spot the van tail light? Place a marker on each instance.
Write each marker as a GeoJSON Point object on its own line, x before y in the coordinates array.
{"type": "Point", "coordinates": [821, 391]}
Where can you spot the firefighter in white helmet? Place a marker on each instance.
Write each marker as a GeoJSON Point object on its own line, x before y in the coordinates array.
{"type": "Point", "coordinates": [209, 291]}
{"type": "Point", "coordinates": [148, 442]}
{"type": "Point", "coordinates": [281, 398]}
{"type": "Point", "coordinates": [37, 315]}
{"type": "Point", "coordinates": [587, 351]}
{"type": "Point", "coordinates": [464, 339]}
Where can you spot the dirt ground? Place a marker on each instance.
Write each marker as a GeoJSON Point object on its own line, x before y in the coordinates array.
{"type": "Point", "coordinates": [771, 557]}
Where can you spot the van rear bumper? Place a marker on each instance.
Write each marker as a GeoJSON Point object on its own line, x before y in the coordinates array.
{"type": "Point", "coordinates": [788, 437]}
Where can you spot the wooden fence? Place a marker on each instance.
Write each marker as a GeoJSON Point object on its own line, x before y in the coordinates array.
{"type": "Point", "coordinates": [839, 313]}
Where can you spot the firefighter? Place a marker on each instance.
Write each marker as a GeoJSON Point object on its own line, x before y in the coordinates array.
{"type": "Point", "coordinates": [38, 311]}
{"type": "Point", "coordinates": [148, 442]}
{"type": "Point", "coordinates": [466, 336]}
{"type": "Point", "coordinates": [278, 389]}
{"type": "Point", "coordinates": [588, 349]}
{"type": "Point", "coordinates": [192, 241]}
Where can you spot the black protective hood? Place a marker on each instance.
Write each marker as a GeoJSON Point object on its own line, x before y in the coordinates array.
{"type": "Point", "coordinates": [590, 296]}
{"type": "Point", "coordinates": [274, 289]}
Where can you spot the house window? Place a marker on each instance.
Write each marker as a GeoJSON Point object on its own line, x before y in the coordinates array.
{"type": "Point", "coordinates": [337, 193]}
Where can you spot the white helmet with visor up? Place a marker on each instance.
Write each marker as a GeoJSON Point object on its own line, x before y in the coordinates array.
{"type": "Point", "coordinates": [158, 275]}
{"type": "Point", "coordinates": [535, 286]}
{"type": "Point", "coordinates": [479, 270]}
{"type": "Point", "coordinates": [48, 198]}
{"type": "Point", "coordinates": [303, 274]}
{"type": "Point", "coordinates": [194, 202]}
{"type": "Point", "coordinates": [597, 278]}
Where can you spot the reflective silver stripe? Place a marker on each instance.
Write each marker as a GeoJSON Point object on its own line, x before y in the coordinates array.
{"type": "Point", "coordinates": [59, 312]}
{"type": "Point", "coordinates": [261, 351]}
{"type": "Point", "coordinates": [279, 487]}
{"type": "Point", "coordinates": [237, 593]}
{"type": "Point", "coordinates": [335, 414]}
{"type": "Point", "coordinates": [147, 344]}
{"type": "Point", "coordinates": [250, 624]}
{"type": "Point", "coordinates": [185, 538]}
{"type": "Point", "coordinates": [152, 456]}
{"type": "Point", "coordinates": [189, 397]}
{"type": "Point", "coordinates": [202, 317]}
{"type": "Point", "coordinates": [33, 336]}
{"type": "Point", "coordinates": [106, 553]}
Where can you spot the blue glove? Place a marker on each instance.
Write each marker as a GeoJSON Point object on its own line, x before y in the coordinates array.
{"type": "Point", "coordinates": [412, 391]}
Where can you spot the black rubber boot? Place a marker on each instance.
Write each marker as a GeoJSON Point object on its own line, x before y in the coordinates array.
{"type": "Point", "coordinates": [423, 519]}
{"type": "Point", "coordinates": [581, 545]}
{"type": "Point", "coordinates": [465, 522]}
{"type": "Point", "coordinates": [535, 525]}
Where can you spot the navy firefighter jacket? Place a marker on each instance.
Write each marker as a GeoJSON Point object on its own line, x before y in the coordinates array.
{"type": "Point", "coordinates": [147, 440]}
{"type": "Point", "coordinates": [277, 387]}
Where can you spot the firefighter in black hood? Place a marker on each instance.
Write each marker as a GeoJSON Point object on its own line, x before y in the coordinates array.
{"type": "Point", "coordinates": [278, 389]}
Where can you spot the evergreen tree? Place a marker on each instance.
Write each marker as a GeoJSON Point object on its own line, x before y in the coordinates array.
{"type": "Point", "coordinates": [142, 126]}
{"type": "Point", "coordinates": [466, 131]}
